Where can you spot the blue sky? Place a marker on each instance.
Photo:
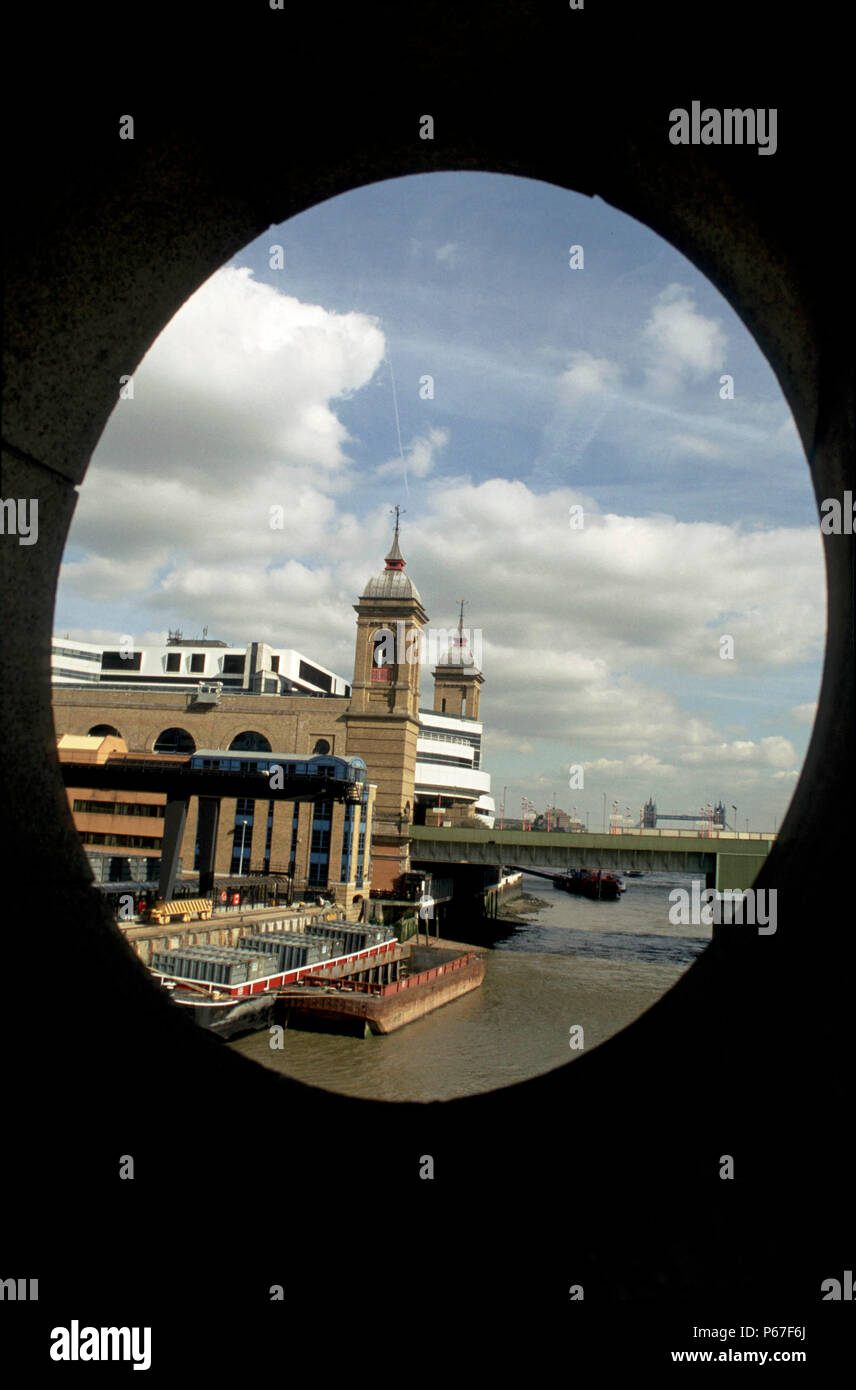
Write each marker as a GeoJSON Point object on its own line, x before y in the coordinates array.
{"type": "Point", "coordinates": [552, 387]}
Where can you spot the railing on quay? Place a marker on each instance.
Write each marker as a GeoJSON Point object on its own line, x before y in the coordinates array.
{"type": "Point", "coordinates": [394, 986]}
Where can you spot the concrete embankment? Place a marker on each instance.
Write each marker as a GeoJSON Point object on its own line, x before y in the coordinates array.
{"type": "Point", "coordinates": [510, 887]}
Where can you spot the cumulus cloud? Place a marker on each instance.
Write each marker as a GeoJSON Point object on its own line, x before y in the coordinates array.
{"type": "Point", "coordinates": [625, 589]}
{"type": "Point", "coordinates": [772, 752]}
{"type": "Point", "coordinates": [419, 456]}
{"type": "Point", "coordinates": [632, 766]}
{"type": "Point", "coordinates": [587, 375]}
{"type": "Point", "coordinates": [804, 714]}
{"type": "Point", "coordinates": [694, 444]}
{"type": "Point", "coordinates": [681, 344]}
{"type": "Point", "coordinates": [243, 377]}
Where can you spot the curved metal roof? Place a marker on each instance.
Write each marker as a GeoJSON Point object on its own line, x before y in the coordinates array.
{"type": "Point", "coordinates": [392, 584]}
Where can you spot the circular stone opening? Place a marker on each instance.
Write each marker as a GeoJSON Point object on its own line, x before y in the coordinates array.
{"type": "Point", "coordinates": [582, 438]}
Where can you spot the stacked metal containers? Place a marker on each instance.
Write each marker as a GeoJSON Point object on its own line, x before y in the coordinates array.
{"type": "Point", "coordinates": [292, 950]}
{"type": "Point", "coordinates": [354, 937]}
{"type": "Point", "coordinates": [224, 965]}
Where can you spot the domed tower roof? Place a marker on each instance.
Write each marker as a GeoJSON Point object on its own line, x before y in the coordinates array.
{"type": "Point", "coordinates": [392, 582]}
{"type": "Point", "coordinates": [458, 654]}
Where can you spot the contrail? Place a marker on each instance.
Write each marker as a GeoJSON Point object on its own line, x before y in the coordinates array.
{"type": "Point", "coordinates": [397, 421]}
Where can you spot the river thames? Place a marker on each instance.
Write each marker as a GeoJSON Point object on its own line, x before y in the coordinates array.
{"type": "Point", "coordinates": [574, 962]}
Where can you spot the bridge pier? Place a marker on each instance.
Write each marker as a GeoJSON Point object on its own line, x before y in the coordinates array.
{"type": "Point", "coordinates": [175, 820]}
{"type": "Point", "coordinates": [207, 826]}
{"type": "Point", "coordinates": [737, 871]}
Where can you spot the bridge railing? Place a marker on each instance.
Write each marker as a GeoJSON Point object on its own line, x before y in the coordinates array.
{"type": "Point", "coordinates": [703, 833]}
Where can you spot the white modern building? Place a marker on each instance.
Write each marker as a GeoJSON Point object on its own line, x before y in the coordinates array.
{"type": "Point", "coordinates": [183, 663]}
{"type": "Point", "coordinates": [448, 765]}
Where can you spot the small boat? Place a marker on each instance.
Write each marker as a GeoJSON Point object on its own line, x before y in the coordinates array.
{"type": "Point", "coordinates": [591, 883]}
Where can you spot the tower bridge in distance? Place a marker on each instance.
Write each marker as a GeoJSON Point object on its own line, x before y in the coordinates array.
{"type": "Point", "coordinates": [715, 816]}
{"type": "Point", "coordinates": [725, 861]}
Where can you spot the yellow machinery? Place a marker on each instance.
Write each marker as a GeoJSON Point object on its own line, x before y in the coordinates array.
{"type": "Point", "coordinates": [181, 909]}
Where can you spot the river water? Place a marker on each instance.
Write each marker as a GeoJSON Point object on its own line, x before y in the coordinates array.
{"type": "Point", "coordinates": [574, 962]}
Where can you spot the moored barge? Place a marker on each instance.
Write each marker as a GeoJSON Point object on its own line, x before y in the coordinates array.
{"type": "Point", "coordinates": [376, 989]}
{"type": "Point", "coordinates": [436, 977]}
{"type": "Point", "coordinates": [591, 883]}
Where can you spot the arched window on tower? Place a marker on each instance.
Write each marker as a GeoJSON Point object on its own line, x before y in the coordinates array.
{"type": "Point", "coordinates": [321, 746]}
{"type": "Point", "coordinates": [383, 656]}
{"type": "Point", "coordinates": [104, 731]}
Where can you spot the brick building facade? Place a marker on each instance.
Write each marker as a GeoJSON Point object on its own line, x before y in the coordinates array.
{"type": "Point", "coordinates": [378, 721]}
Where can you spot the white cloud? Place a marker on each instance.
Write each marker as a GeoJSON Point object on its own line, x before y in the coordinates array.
{"type": "Point", "coordinates": [419, 456]}
{"type": "Point", "coordinates": [680, 342]}
{"type": "Point", "coordinates": [772, 752]}
{"type": "Point", "coordinates": [447, 254]}
{"type": "Point", "coordinates": [119, 577]}
{"type": "Point", "coordinates": [243, 377]}
{"type": "Point", "coordinates": [623, 588]}
{"type": "Point", "coordinates": [587, 376]}
{"type": "Point", "coordinates": [694, 444]}
{"type": "Point", "coordinates": [804, 714]}
{"type": "Point", "coordinates": [632, 766]}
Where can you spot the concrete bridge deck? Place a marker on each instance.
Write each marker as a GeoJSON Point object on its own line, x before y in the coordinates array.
{"type": "Point", "coordinates": [723, 859]}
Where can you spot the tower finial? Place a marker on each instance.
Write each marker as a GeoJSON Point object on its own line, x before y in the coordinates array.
{"type": "Point", "coordinates": [395, 559]}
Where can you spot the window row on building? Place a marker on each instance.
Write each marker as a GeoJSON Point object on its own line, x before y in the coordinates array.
{"type": "Point", "coordinates": [119, 808]}
{"type": "Point", "coordinates": [255, 668]}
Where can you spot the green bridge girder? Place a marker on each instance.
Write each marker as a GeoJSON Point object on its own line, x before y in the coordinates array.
{"type": "Point", "coordinates": [723, 860]}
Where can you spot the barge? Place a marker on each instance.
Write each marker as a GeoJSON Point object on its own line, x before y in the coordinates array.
{"type": "Point", "coordinates": [226, 1018]}
{"type": "Point", "coordinates": [436, 976]}
{"type": "Point", "coordinates": [377, 988]}
{"type": "Point", "coordinates": [591, 883]}
{"type": "Point", "coordinates": [598, 884]}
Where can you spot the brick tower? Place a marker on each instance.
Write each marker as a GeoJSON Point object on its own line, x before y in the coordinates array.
{"type": "Point", "coordinates": [383, 716]}
{"type": "Point", "coordinates": [457, 679]}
